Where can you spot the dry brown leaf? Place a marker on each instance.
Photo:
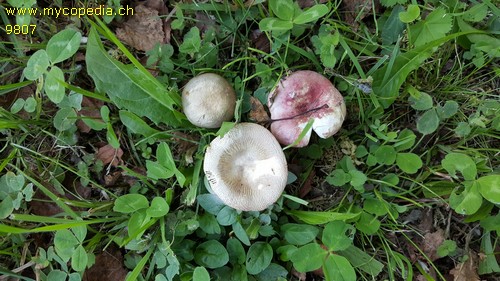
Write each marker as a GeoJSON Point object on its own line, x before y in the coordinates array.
{"type": "Point", "coordinates": [107, 154]}
{"type": "Point", "coordinates": [356, 10]}
{"type": "Point", "coordinates": [260, 41]}
{"type": "Point", "coordinates": [466, 271]}
{"type": "Point", "coordinates": [108, 266]}
{"type": "Point", "coordinates": [257, 112]}
{"type": "Point", "coordinates": [143, 30]}
{"type": "Point", "coordinates": [431, 242]}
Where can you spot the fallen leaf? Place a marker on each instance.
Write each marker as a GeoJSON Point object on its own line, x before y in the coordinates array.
{"type": "Point", "coordinates": [111, 178]}
{"type": "Point", "coordinates": [257, 112]}
{"type": "Point", "coordinates": [143, 30]}
{"type": "Point", "coordinates": [356, 10]}
{"type": "Point", "coordinates": [431, 242]}
{"type": "Point", "coordinates": [260, 41]}
{"type": "Point", "coordinates": [466, 271]}
{"type": "Point", "coordinates": [108, 266]}
{"type": "Point", "coordinates": [107, 154]}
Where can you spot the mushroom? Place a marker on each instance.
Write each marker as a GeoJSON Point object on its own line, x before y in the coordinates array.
{"type": "Point", "coordinates": [208, 100]}
{"type": "Point", "coordinates": [303, 95]}
{"type": "Point", "coordinates": [246, 168]}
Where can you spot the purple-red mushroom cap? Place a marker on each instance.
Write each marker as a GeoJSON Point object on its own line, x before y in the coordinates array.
{"type": "Point", "coordinates": [299, 97]}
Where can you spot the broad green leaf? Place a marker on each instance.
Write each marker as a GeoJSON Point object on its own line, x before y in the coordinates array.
{"type": "Point", "coordinates": [192, 41]}
{"type": "Point", "coordinates": [227, 216]}
{"type": "Point", "coordinates": [209, 224]}
{"type": "Point", "coordinates": [37, 65]}
{"type": "Point", "coordinates": [17, 105]}
{"type": "Point", "coordinates": [165, 158]}
{"type": "Point", "coordinates": [210, 202]}
{"type": "Point", "coordinates": [358, 179]}
{"type": "Point", "coordinates": [130, 88]}
{"type": "Point", "coordinates": [476, 13]}
{"type": "Point", "coordinates": [274, 24]}
{"type": "Point", "coordinates": [79, 259]}
{"type": "Point", "coordinates": [406, 140]}
{"type": "Point", "coordinates": [299, 234]}
{"type": "Point", "coordinates": [385, 154]}
{"type": "Point", "coordinates": [135, 124]}
{"type": "Point", "coordinates": [80, 233]}
{"type": "Point", "coordinates": [65, 243]}
{"type": "Point", "coordinates": [308, 257]}
{"type": "Point", "coordinates": [211, 254]}
{"type": "Point", "coordinates": [467, 202]}
{"type": "Point", "coordinates": [422, 102]}
{"type": "Point", "coordinates": [434, 27]}
{"type": "Point", "coordinates": [111, 137]}
{"type": "Point", "coordinates": [313, 217]}
{"type": "Point", "coordinates": [338, 268]}
{"type": "Point", "coordinates": [375, 206]}
{"type": "Point", "coordinates": [428, 122]}
{"type": "Point", "coordinates": [409, 163]}
{"type": "Point", "coordinates": [361, 260]}
{"type": "Point", "coordinates": [14, 182]}
{"type": "Point", "coordinates": [130, 203]}
{"type": "Point", "coordinates": [201, 274]}
{"type": "Point", "coordinates": [368, 224]}
{"type": "Point", "coordinates": [52, 87]}
{"type": "Point", "coordinates": [157, 171]}
{"type": "Point", "coordinates": [393, 27]}
{"type": "Point", "coordinates": [481, 41]}
{"type": "Point", "coordinates": [30, 104]}
{"type": "Point", "coordinates": [240, 233]}
{"type": "Point", "coordinates": [236, 251]}
{"type": "Point", "coordinates": [338, 235]}
{"type": "Point", "coordinates": [224, 128]}
{"type": "Point", "coordinates": [57, 275]}
{"type": "Point", "coordinates": [388, 79]}
{"type": "Point", "coordinates": [338, 177]}
{"type": "Point", "coordinates": [259, 257]}
{"type": "Point", "coordinates": [158, 208]}
{"type": "Point", "coordinates": [6, 207]}
{"type": "Point", "coordinates": [137, 221]}
{"type": "Point", "coordinates": [458, 162]}
{"type": "Point", "coordinates": [463, 129]}
{"type": "Point", "coordinates": [64, 119]}
{"type": "Point", "coordinates": [63, 45]}
{"type": "Point", "coordinates": [489, 187]}
{"type": "Point", "coordinates": [449, 109]}
{"type": "Point", "coordinates": [273, 272]}
{"type": "Point", "coordinates": [283, 9]}
{"type": "Point", "coordinates": [411, 14]}
{"type": "Point", "coordinates": [311, 14]}
{"type": "Point", "coordinates": [286, 252]}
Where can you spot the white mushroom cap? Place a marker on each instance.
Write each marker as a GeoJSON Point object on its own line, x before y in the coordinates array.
{"type": "Point", "coordinates": [208, 100]}
{"type": "Point", "coordinates": [303, 95]}
{"type": "Point", "coordinates": [246, 168]}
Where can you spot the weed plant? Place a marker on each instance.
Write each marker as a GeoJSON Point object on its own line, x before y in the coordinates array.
{"type": "Point", "coordinates": [98, 162]}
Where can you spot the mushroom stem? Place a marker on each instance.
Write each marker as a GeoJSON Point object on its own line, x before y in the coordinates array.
{"type": "Point", "coordinates": [298, 115]}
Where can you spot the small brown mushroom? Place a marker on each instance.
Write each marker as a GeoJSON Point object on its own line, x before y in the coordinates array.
{"type": "Point", "coordinates": [246, 168]}
{"type": "Point", "coordinates": [297, 98]}
{"type": "Point", "coordinates": [208, 100]}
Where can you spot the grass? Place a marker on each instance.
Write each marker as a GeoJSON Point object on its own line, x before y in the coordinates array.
{"type": "Point", "coordinates": [375, 202]}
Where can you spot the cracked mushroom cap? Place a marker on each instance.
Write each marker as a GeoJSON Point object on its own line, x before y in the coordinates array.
{"type": "Point", "coordinates": [297, 98]}
{"type": "Point", "coordinates": [208, 100]}
{"type": "Point", "coordinates": [246, 168]}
